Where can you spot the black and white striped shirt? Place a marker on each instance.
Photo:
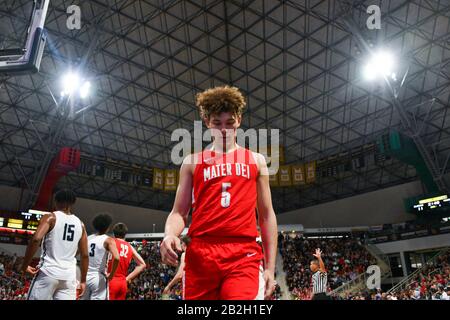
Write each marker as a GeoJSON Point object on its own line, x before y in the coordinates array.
{"type": "Point", "coordinates": [319, 282]}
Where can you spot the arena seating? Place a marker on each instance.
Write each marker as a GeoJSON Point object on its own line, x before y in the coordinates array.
{"type": "Point", "coordinates": [431, 283]}
{"type": "Point", "coordinates": [151, 282]}
{"type": "Point", "coordinates": [344, 259]}
{"type": "Point", "coordinates": [13, 285]}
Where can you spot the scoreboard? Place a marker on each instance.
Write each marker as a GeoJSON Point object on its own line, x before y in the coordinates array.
{"type": "Point", "coordinates": [432, 204]}
{"type": "Point", "coordinates": [15, 223]}
{"type": "Point", "coordinates": [35, 215]}
{"type": "Point", "coordinates": [32, 225]}
{"type": "Point", "coordinates": [21, 222]}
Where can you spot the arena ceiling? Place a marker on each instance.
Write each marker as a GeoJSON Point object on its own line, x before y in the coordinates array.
{"type": "Point", "coordinates": [298, 62]}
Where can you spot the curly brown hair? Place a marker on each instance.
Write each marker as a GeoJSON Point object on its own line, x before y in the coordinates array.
{"type": "Point", "coordinates": [220, 99]}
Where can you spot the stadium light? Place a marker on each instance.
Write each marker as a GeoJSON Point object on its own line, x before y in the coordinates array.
{"type": "Point", "coordinates": [380, 64]}
{"type": "Point", "coordinates": [72, 83]}
{"type": "Point", "coordinates": [84, 90]}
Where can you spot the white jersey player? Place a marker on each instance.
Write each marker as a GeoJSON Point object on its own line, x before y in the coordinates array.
{"type": "Point", "coordinates": [61, 235]}
{"type": "Point", "coordinates": [100, 247]}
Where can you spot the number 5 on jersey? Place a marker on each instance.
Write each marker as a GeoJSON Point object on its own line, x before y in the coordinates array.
{"type": "Point", "coordinates": [226, 197]}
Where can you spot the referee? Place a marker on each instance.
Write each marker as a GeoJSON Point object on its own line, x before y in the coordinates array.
{"type": "Point", "coordinates": [319, 277]}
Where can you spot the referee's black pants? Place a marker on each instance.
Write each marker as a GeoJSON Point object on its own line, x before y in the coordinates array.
{"type": "Point", "coordinates": [321, 296]}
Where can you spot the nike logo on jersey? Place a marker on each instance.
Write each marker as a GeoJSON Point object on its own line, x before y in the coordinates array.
{"type": "Point", "coordinates": [251, 254]}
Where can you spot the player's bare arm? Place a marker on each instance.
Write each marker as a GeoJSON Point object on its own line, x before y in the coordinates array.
{"type": "Point", "coordinates": [176, 221]}
{"type": "Point", "coordinates": [139, 267]}
{"type": "Point", "coordinates": [84, 259]}
{"type": "Point", "coordinates": [110, 246]}
{"type": "Point", "coordinates": [45, 226]}
{"type": "Point", "coordinates": [267, 223]}
{"type": "Point", "coordinates": [178, 276]}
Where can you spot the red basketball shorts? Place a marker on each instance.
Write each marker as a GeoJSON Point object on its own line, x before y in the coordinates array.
{"type": "Point", "coordinates": [117, 289]}
{"type": "Point", "coordinates": [219, 270]}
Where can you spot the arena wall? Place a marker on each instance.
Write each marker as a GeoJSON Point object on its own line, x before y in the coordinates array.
{"type": "Point", "coordinates": [416, 244]}
{"type": "Point", "coordinates": [373, 208]}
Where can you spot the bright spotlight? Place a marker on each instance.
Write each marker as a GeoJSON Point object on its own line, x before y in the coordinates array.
{"type": "Point", "coordinates": [73, 83]}
{"type": "Point", "coordinates": [84, 90]}
{"type": "Point", "coordinates": [380, 64]}
{"type": "Point", "coordinates": [70, 83]}
{"type": "Point", "coordinates": [370, 72]}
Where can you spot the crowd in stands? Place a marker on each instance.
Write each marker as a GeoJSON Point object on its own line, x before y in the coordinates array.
{"type": "Point", "coordinates": [277, 293]}
{"type": "Point", "coordinates": [13, 285]}
{"type": "Point", "coordinates": [150, 284]}
{"type": "Point", "coordinates": [344, 259]}
{"type": "Point", "coordinates": [431, 283]}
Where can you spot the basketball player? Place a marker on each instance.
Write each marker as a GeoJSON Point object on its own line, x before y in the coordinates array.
{"type": "Point", "coordinates": [319, 277]}
{"type": "Point", "coordinates": [180, 272]}
{"type": "Point", "coordinates": [119, 283]}
{"type": "Point", "coordinates": [100, 246]}
{"type": "Point", "coordinates": [62, 234]}
{"type": "Point", "coordinates": [223, 185]}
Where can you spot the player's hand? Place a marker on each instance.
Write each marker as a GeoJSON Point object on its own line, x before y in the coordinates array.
{"type": "Point", "coordinates": [81, 289]}
{"type": "Point", "coordinates": [270, 284]}
{"type": "Point", "coordinates": [166, 290]}
{"type": "Point", "coordinates": [31, 270]}
{"type": "Point", "coordinates": [318, 253]}
{"type": "Point", "coordinates": [109, 276]}
{"type": "Point", "coordinates": [168, 247]}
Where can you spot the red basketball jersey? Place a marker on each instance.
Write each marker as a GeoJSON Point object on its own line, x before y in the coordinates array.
{"type": "Point", "coordinates": [224, 195]}
{"type": "Point", "coordinates": [126, 254]}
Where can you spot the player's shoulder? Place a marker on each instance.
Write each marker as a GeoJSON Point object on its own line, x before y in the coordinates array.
{"type": "Point", "coordinates": [49, 216]}
{"type": "Point", "coordinates": [260, 161]}
{"type": "Point", "coordinates": [73, 216]}
{"type": "Point", "coordinates": [191, 161]}
{"type": "Point", "coordinates": [190, 158]}
{"type": "Point", "coordinates": [258, 156]}
{"type": "Point", "coordinates": [125, 242]}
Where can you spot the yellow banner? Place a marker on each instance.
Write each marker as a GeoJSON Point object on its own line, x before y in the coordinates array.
{"type": "Point", "coordinates": [298, 174]}
{"type": "Point", "coordinates": [285, 179]}
{"type": "Point", "coordinates": [170, 180]}
{"type": "Point", "coordinates": [273, 180]}
{"type": "Point", "coordinates": [310, 172]}
{"type": "Point", "coordinates": [158, 178]}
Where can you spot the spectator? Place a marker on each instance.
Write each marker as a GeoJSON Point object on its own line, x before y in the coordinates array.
{"type": "Point", "coordinates": [432, 283]}
{"type": "Point", "coordinates": [344, 259]}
